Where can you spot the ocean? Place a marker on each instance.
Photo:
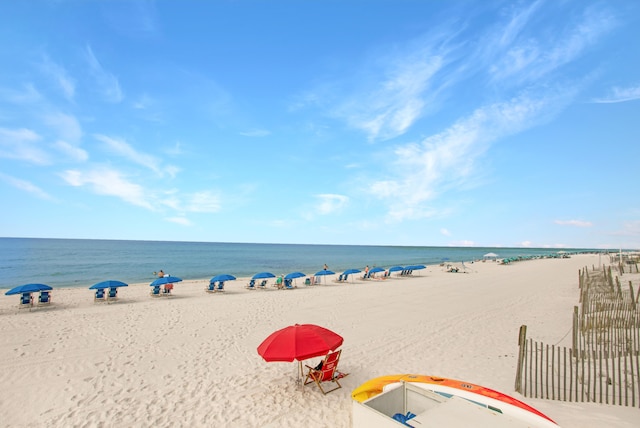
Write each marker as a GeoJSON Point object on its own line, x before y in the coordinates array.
{"type": "Point", "coordinates": [83, 262]}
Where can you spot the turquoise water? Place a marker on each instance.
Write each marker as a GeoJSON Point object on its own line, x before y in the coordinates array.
{"type": "Point", "coordinates": [81, 263]}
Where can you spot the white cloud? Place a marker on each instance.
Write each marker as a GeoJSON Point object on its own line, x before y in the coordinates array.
{"type": "Point", "coordinates": [577, 223]}
{"type": "Point", "coordinates": [22, 144]}
{"type": "Point", "coordinates": [26, 186]}
{"type": "Point", "coordinates": [179, 220]}
{"type": "Point", "coordinates": [110, 182]}
{"type": "Point", "coordinates": [203, 202]}
{"type": "Point", "coordinates": [28, 95]}
{"type": "Point", "coordinates": [464, 243]}
{"type": "Point", "coordinates": [388, 107]}
{"type": "Point", "coordinates": [143, 102]}
{"type": "Point", "coordinates": [330, 203]}
{"type": "Point", "coordinates": [256, 133]}
{"type": "Point", "coordinates": [619, 95]}
{"type": "Point", "coordinates": [528, 56]}
{"type": "Point", "coordinates": [60, 77]}
{"type": "Point", "coordinates": [122, 148]}
{"type": "Point", "coordinates": [67, 126]}
{"type": "Point", "coordinates": [448, 159]}
{"type": "Point", "coordinates": [107, 83]}
{"type": "Point", "coordinates": [73, 152]}
{"type": "Point", "coordinates": [445, 232]}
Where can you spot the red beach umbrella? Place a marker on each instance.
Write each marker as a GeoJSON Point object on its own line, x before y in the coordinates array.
{"type": "Point", "coordinates": [299, 342]}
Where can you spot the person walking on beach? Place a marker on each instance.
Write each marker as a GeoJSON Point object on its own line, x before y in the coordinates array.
{"type": "Point", "coordinates": [366, 272]}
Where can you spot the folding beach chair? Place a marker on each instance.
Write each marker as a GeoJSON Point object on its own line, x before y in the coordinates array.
{"type": "Point", "coordinates": [155, 292]}
{"type": "Point", "coordinates": [99, 296]}
{"type": "Point", "coordinates": [326, 373]}
{"type": "Point", "coordinates": [26, 301]}
{"type": "Point", "coordinates": [112, 295]}
{"type": "Point", "coordinates": [44, 299]}
{"type": "Point", "coordinates": [252, 285]}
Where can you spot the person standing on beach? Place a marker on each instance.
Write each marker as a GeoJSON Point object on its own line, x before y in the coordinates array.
{"type": "Point", "coordinates": [326, 267]}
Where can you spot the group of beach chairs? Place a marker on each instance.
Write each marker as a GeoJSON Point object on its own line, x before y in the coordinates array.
{"type": "Point", "coordinates": [26, 300]}
{"type": "Point", "coordinates": [215, 286]}
{"type": "Point", "coordinates": [159, 291]}
{"type": "Point", "coordinates": [281, 283]}
{"type": "Point", "coordinates": [104, 295]}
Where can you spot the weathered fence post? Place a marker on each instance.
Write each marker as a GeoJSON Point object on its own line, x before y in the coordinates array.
{"type": "Point", "coordinates": [522, 341]}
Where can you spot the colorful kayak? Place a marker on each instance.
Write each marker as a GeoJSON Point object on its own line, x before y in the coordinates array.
{"type": "Point", "coordinates": [480, 395]}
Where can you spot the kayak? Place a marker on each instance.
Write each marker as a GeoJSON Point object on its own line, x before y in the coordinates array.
{"type": "Point", "coordinates": [492, 400]}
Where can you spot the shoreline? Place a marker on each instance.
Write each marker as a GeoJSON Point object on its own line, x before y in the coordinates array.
{"type": "Point", "coordinates": [191, 359]}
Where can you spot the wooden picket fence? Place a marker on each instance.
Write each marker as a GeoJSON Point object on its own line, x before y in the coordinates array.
{"type": "Point", "coordinates": [603, 364]}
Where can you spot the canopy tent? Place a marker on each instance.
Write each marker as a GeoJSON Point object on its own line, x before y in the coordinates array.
{"type": "Point", "coordinates": [490, 256]}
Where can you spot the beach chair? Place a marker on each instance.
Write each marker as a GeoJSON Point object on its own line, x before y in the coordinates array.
{"type": "Point", "coordinates": [155, 291]}
{"type": "Point", "coordinates": [263, 285]}
{"type": "Point", "coordinates": [112, 295]}
{"type": "Point", "coordinates": [326, 373]}
{"type": "Point", "coordinates": [220, 286]}
{"type": "Point", "coordinates": [211, 288]}
{"type": "Point", "coordinates": [252, 285]}
{"type": "Point", "coordinates": [26, 301]}
{"type": "Point", "coordinates": [44, 299]}
{"type": "Point", "coordinates": [288, 284]}
{"type": "Point", "coordinates": [166, 291]}
{"type": "Point", "coordinates": [99, 296]}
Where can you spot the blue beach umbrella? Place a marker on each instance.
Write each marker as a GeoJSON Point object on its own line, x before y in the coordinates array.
{"type": "Point", "coordinates": [28, 288]}
{"type": "Point", "coordinates": [376, 269]}
{"type": "Point", "coordinates": [415, 267]}
{"type": "Point", "coordinates": [294, 275]}
{"type": "Point", "coordinates": [165, 280]}
{"type": "Point", "coordinates": [108, 284]}
{"type": "Point", "coordinates": [223, 277]}
{"type": "Point", "coordinates": [348, 272]}
{"type": "Point", "coordinates": [325, 273]}
{"type": "Point", "coordinates": [263, 275]}
{"type": "Point", "coordinates": [396, 269]}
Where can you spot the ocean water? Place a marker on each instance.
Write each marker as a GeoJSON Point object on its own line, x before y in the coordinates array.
{"type": "Point", "coordinates": [81, 263]}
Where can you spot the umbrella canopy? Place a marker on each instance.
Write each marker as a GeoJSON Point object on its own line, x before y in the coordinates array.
{"type": "Point", "coordinates": [396, 269]}
{"type": "Point", "coordinates": [299, 342]}
{"type": "Point", "coordinates": [325, 272]}
{"type": "Point", "coordinates": [28, 288]}
{"type": "Point", "coordinates": [108, 284]}
{"type": "Point", "coordinates": [165, 280]}
{"type": "Point", "coordinates": [263, 275]}
{"type": "Point", "coordinates": [415, 267]}
{"type": "Point", "coordinates": [294, 275]}
{"type": "Point", "coordinates": [376, 269]}
{"type": "Point", "coordinates": [351, 271]}
{"type": "Point", "coordinates": [223, 277]}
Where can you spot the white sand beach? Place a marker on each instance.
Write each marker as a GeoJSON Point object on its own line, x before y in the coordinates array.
{"type": "Point", "coordinates": [191, 360]}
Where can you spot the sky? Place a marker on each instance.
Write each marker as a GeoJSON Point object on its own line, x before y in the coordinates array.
{"type": "Point", "coordinates": [378, 122]}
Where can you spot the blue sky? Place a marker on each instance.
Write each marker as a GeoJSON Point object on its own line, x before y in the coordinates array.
{"type": "Point", "coordinates": [440, 123]}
